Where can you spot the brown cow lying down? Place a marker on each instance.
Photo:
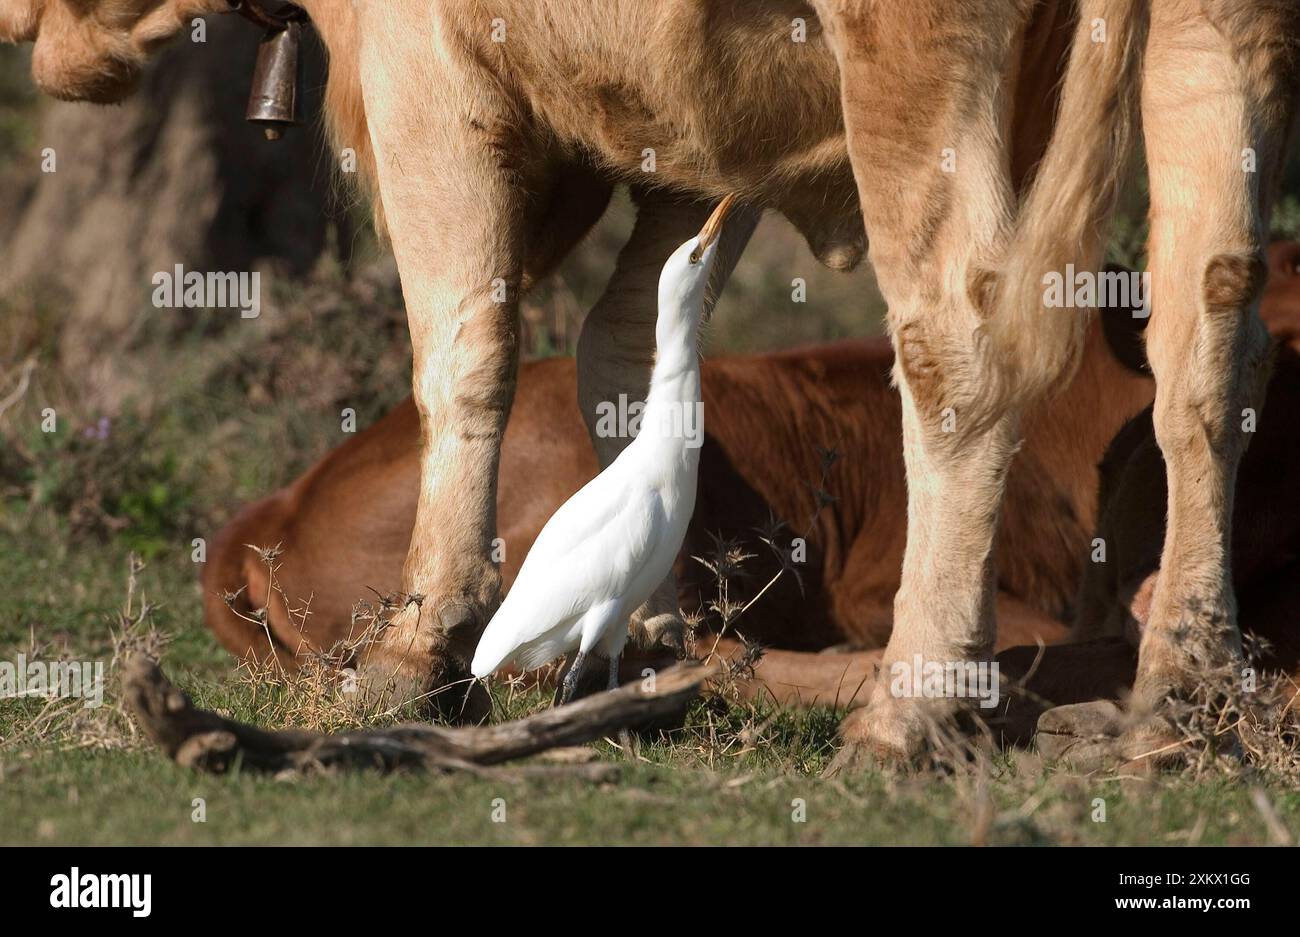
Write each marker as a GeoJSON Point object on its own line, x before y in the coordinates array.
{"type": "Point", "coordinates": [771, 421]}
{"type": "Point", "coordinates": [780, 428]}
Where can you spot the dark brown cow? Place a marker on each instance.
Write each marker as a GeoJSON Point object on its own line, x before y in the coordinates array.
{"type": "Point", "coordinates": [1280, 306]}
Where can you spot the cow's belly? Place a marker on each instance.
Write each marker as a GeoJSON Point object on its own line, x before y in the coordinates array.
{"type": "Point", "coordinates": [703, 97]}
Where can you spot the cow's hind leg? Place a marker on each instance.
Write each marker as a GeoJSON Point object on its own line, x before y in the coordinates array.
{"type": "Point", "coordinates": [1216, 105]}
{"type": "Point", "coordinates": [960, 258]}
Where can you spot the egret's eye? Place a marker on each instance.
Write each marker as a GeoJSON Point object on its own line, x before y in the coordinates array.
{"type": "Point", "coordinates": [695, 256]}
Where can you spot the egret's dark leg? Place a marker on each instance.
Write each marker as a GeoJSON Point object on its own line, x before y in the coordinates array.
{"type": "Point", "coordinates": [613, 672]}
{"type": "Point", "coordinates": [570, 683]}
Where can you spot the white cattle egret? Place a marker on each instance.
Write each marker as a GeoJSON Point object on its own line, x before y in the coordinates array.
{"type": "Point", "coordinates": [606, 549]}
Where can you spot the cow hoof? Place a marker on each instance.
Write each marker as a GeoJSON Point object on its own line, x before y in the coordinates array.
{"type": "Point", "coordinates": [387, 677]}
{"type": "Point", "coordinates": [387, 682]}
{"type": "Point", "coordinates": [1100, 736]}
{"type": "Point", "coordinates": [1082, 736]}
{"type": "Point", "coordinates": [873, 740]}
{"type": "Point", "coordinates": [1153, 747]}
{"type": "Point", "coordinates": [414, 664]}
{"type": "Point", "coordinates": [1153, 744]}
{"type": "Point", "coordinates": [461, 700]}
{"type": "Point", "coordinates": [861, 757]}
{"type": "Point", "coordinates": [665, 631]}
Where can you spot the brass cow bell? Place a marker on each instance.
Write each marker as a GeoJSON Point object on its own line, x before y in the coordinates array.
{"type": "Point", "coordinates": [273, 101]}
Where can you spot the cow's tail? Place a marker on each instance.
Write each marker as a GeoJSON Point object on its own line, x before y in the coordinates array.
{"type": "Point", "coordinates": [1063, 218]}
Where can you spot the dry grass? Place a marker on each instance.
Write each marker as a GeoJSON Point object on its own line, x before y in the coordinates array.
{"type": "Point", "coordinates": [1227, 727]}
{"type": "Point", "coordinates": [729, 774]}
{"type": "Point", "coordinates": [319, 693]}
{"type": "Point", "coordinates": [726, 562]}
{"type": "Point", "coordinates": [63, 723]}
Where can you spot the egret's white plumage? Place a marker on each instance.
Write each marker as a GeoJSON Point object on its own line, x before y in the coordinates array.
{"type": "Point", "coordinates": [606, 549]}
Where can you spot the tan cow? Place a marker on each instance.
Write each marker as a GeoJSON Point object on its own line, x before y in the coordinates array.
{"type": "Point", "coordinates": [488, 133]}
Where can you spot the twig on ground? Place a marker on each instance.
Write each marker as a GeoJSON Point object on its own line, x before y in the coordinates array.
{"type": "Point", "coordinates": [203, 739]}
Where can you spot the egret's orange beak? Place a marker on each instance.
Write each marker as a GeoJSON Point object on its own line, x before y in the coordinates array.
{"type": "Point", "coordinates": [713, 227]}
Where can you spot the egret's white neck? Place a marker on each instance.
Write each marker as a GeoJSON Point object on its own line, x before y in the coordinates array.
{"type": "Point", "coordinates": [672, 420]}
{"type": "Point", "coordinates": [676, 374]}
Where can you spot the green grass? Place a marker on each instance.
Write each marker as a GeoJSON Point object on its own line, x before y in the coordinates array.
{"type": "Point", "coordinates": [734, 775]}
{"type": "Point", "coordinates": [83, 797]}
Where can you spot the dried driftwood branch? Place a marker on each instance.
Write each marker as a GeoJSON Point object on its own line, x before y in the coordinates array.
{"type": "Point", "coordinates": [202, 739]}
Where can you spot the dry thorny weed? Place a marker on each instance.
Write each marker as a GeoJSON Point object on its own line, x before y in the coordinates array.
{"type": "Point", "coordinates": [317, 690]}
{"type": "Point", "coordinates": [726, 562]}
{"type": "Point", "coordinates": [1235, 718]}
{"type": "Point", "coordinates": [1240, 719]}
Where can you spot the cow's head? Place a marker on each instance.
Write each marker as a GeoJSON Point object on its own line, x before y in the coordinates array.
{"type": "Point", "coordinates": [94, 50]}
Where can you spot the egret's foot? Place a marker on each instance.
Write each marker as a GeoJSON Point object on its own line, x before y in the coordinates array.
{"type": "Point", "coordinates": [569, 685]}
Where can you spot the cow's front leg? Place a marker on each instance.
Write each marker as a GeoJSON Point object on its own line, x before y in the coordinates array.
{"type": "Point", "coordinates": [1217, 96]}
{"type": "Point", "coordinates": [452, 171]}
{"type": "Point", "coordinates": [617, 346]}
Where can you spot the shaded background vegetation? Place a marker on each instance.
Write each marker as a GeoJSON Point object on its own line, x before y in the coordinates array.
{"type": "Point", "coordinates": [169, 419]}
